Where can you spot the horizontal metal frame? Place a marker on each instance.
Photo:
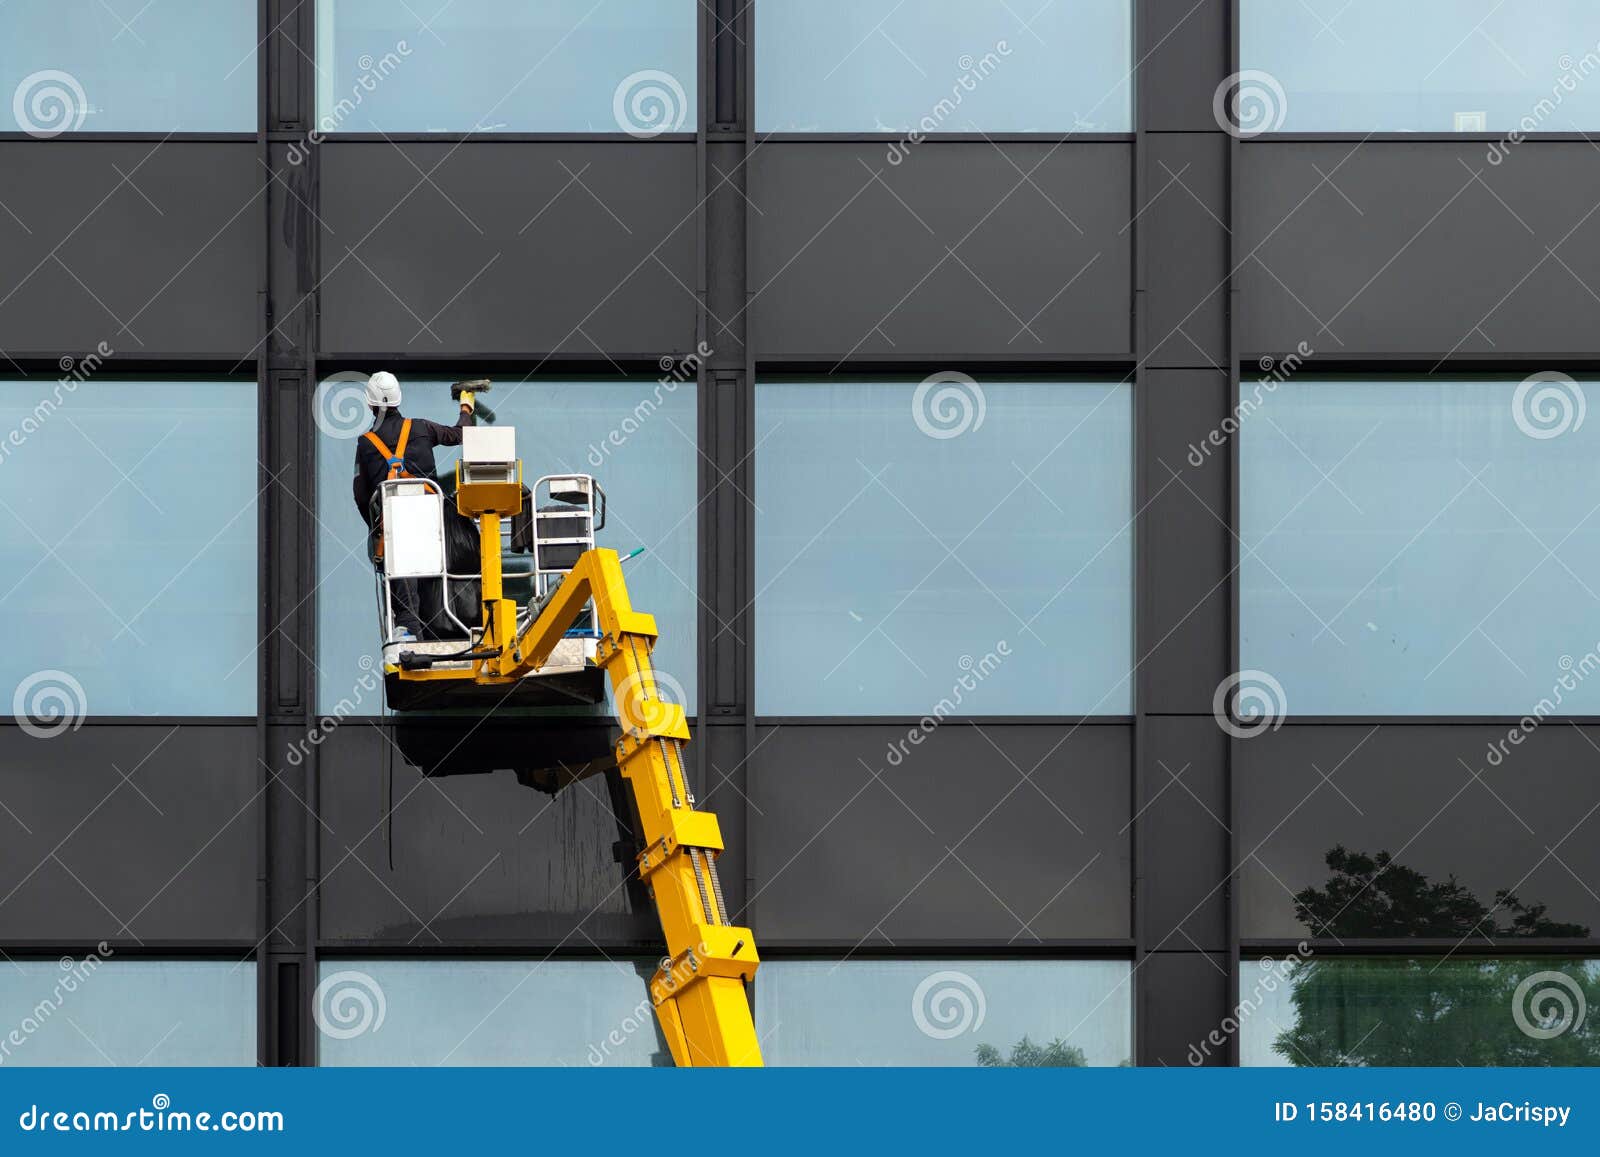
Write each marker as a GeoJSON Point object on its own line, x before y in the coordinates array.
{"type": "Point", "coordinates": [249, 137]}
{"type": "Point", "coordinates": [1423, 138]}
{"type": "Point", "coordinates": [535, 138]}
{"type": "Point", "coordinates": [1047, 138]}
{"type": "Point", "coordinates": [1421, 364]}
{"type": "Point", "coordinates": [770, 949]}
{"type": "Point", "coordinates": [1431, 946]}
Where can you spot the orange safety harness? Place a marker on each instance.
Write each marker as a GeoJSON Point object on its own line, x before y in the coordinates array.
{"type": "Point", "coordinates": [397, 457]}
{"type": "Point", "coordinates": [397, 467]}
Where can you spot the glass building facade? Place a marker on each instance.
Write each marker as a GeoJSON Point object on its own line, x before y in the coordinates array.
{"type": "Point", "coordinates": [1132, 589]}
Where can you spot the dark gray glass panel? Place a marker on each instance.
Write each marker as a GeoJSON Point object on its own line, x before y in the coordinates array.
{"type": "Point", "coordinates": [1001, 834]}
{"type": "Point", "coordinates": [1460, 833]}
{"type": "Point", "coordinates": [118, 832]}
{"type": "Point", "coordinates": [1064, 1013]}
{"type": "Point", "coordinates": [473, 855]}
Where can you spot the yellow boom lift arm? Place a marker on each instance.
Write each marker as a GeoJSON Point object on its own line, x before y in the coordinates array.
{"type": "Point", "coordinates": [698, 992]}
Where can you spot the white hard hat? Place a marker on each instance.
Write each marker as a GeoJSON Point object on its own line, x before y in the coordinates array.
{"type": "Point", "coordinates": [383, 389]}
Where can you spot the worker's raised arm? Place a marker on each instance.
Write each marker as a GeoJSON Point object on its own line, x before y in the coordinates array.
{"type": "Point", "coordinates": [451, 435]}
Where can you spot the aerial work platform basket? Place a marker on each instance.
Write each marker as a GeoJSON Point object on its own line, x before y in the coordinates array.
{"type": "Point", "coordinates": [560, 627]}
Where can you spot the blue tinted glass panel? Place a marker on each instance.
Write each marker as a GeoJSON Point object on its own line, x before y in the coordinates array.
{"type": "Point", "coordinates": [945, 1012]}
{"type": "Point", "coordinates": [592, 66]}
{"type": "Point", "coordinates": [99, 66]}
{"type": "Point", "coordinates": [488, 1012]}
{"type": "Point", "coordinates": [946, 66]}
{"type": "Point", "coordinates": [159, 1013]}
{"type": "Point", "coordinates": [130, 544]}
{"type": "Point", "coordinates": [1423, 1011]}
{"type": "Point", "coordinates": [636, 438]}
{"type": "Point", "coordinates": [1433, 66]}
{"type": "Point", "coordinates": [918, 547]}
{"type": "Point", "coordinates": [1412, 547]}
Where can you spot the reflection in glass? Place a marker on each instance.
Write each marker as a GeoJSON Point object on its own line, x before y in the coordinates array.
{"type": "Point", "coordinates": [488, 1012]}
{"type": "Point", "coordinates": [945, 1012]}
{"type": "Point", "coordinates": [99, 66]}
{"type": "Point", "coordinates": [1420, 546]}
{"type": "Point", "coordinates": [951, 66]}
{"type": "Point", "coordinates": [636, 437]}
{"type": "Point", "coordinates": [1434, 1011]}
{"type": "Point", "coordinates": [592, 66]}
{"type": "Point", "coordinates": [100, 1011]}
{"type": "Point", "coordinates": [128, 543]}
{"type": "Point", "coordinates": [904, 566]}
{"type": "Point", "coordinates": [1435, 66]}
{"type": "Point", "coordinates": [1374, 896]}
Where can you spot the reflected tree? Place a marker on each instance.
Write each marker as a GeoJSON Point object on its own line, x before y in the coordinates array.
{"type": "Point", "coordinates": [1458, 1009]}
{"type": "Point", "coordinates": [1058, 1054]}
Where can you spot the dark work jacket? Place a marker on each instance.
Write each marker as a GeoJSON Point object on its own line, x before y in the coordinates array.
{"type": "Point", "coordinates": [371, 466]}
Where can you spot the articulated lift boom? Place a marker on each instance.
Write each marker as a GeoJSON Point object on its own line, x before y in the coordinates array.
{"type": "Point", "coordinates": [698, 993]}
